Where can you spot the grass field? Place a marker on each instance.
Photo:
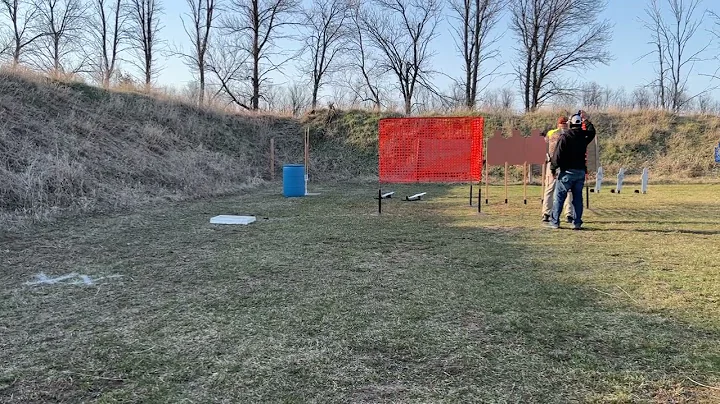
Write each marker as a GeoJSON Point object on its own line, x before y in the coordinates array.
{"type": "Point", "coordinates": [323, 300]}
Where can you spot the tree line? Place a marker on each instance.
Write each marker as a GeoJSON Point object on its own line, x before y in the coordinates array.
{"type": "Point", "coordinates": [372, 52]}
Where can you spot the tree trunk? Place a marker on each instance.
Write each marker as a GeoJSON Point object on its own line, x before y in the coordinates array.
{"type": "Point", "coordinates": [201, 97]}
{"type": "Point", "coordinates": [16, 57]}
{"type": "Point", "coordinates": [476, 56]}
{"type": "Point", "coordinates": [315, 94]}
{"type": "Point", "coordinates": [528, 69]}
{"type": "Point", "coordinates": [148, 39]}
{"type": "Point", "coordinates": [256, 79]}
{"type": "Point", "coordinates": [662, 75]}
{"type": "Point", "coordinates": [56, 55]}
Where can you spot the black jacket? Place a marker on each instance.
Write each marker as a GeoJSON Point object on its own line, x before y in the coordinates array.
{"type": "Point", "coordinates": [571, 149]}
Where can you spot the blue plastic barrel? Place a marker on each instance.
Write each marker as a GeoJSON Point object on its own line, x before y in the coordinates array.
{"type": "Point", "coordinates": [293, 180]}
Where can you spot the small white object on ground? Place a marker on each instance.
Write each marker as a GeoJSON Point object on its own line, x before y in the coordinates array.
{"type": "Point", "coordinates": [416, 197]}
{"type": "Point", "coordinates": [231, 219]}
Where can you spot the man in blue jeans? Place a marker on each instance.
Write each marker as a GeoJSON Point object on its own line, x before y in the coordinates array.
{"type": "Point", "coordinates": [568, 166]}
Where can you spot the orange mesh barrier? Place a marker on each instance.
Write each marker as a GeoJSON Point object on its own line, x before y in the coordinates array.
{"type": "Point", "coordinates": [430, 149]}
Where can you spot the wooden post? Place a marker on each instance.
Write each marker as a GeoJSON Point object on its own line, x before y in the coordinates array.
{"type": "Point", "coordinates": [307, 149]}
{"type": "Point", "coordinates": [487, 174]}
{"type": "Point", "coordinates": [543, 174]}
{"type": "Point", "coordinates": [506, 182]}
{"type": "Point", "coordinates": [307, 157]}
{"type": "Point", "coordinates": [525, 182]}
{"type": "Point", "coordinates": [487, 183]}
{"type": "Point", "coordinates": [530, 173]}
{"type": "Point", "coordinates": [272, 158]}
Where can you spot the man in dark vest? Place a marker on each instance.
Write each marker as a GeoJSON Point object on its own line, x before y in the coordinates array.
{"type": "Point", "coordinates": [568, 166]}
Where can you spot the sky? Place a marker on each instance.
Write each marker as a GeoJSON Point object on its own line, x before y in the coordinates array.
{"type": "Point", "coordinates": [629, 43]}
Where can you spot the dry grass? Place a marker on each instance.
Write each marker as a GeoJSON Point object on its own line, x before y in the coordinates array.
{"type": "Point", "coordinates": [323, 300]}
{"type": "Point", "coordinates": [68, 147]}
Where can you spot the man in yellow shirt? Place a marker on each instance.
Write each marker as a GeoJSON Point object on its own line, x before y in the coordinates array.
{"type": "Point", "coordinates": [552, 138]}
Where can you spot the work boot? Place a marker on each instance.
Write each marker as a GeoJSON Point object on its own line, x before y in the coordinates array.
{"type": "Point", "coordinates": [570, 219]}
{"type": "Point", "coordinates": [545, 218]}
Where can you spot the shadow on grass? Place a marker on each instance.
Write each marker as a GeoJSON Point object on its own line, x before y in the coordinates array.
{"type": "Point", "coordinates": [663, 231]}
{"type": "Point", "coordinates": [654, 222]}
{"type": "Point", "coordinates": [328, 302]}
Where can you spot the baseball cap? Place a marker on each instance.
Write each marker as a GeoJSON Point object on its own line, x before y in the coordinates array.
{"type": "Point", "coordinates": [575, 120]}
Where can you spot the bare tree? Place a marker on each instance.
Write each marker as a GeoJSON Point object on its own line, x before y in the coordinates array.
{"type": "Point", "coordinates": [491, 99]}
{"type": "Point", "coordinates": [591, 95]}
{"type": "Point", "coordinates": [715, 32]}
{"type": "Point", "coordinates": [22, 15]}
{"type": "Point", "coordinates": [256, 25]}
{"type": "Point", "coordinates": [294, 98]}
{"type": "Point", "coordinates": [230, 69]}
{"type": "Point", "coordinates": [145, 35]}
{"type": "Point", "coordinates": [326, 34]}
{"type": "Point", "coordinates": [507, 98]}
{"type": "Point", "coordinates": [641, 98]}
{"type": "Point", "coordinates": [675, 49]}
{"type": "Point", "coordinates": [620, 99]}
{"type": "Point", "coordinates": [366, 89]}
{"type": "Point", "coordinates": [401, 31]}
{"type": "Point", "coordinates": [554, 39]}
{"type": "Point", "coordinates": [654, 23]}
{"type": "Point", "coordinates": [61, 23]}
{"type": "Point", "coordinates": [476, 19]}
{"type": "Point", "coordinates": [704, 103]}
{"type": "Point", "coordinates": [202, 17]}
{"type": "Point", "coordinates": [109, 31]}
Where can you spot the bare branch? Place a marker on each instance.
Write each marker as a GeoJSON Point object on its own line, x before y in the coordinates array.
{"type": "Point", "coordinates": [108, 31]}
{"type": "Point", "coordinates": [24, 27]}
{"type": "Point", "coordinates": [326, 37]}
{"type": "Point", "coordinates": [475, 19]}
{"type": "Point", "coordinates": [552, 41]}
{"type": "Point", "coordinates": [145, 38]}
{"type": "Point", "coordinates": [202, 15]}
{"type": "Point", "coordinates": [255, 26]}
{"type": "Point", "coordinates": [59, 47]}
{"type": "Point", "coordinates": [401, 31]}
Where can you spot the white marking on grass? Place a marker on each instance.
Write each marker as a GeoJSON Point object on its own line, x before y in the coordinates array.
{"type": "Point", "coordinates": [42, 278]}
{"type": "Point", "coordinates": [84, 279]}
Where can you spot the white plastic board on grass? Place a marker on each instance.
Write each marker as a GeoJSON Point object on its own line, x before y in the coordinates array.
{"type": "Point", "coordinates": [230, 219]}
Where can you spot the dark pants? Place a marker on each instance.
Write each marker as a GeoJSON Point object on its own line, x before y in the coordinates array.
{"type": "Point", "coordinates": [573, 181]}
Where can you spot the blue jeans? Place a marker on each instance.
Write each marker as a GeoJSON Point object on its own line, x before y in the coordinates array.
{"type": "Point", "coordinates": [573, 181]}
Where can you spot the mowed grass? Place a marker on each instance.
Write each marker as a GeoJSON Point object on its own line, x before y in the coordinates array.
{"type": "Point", "coordinates": [323, 300]}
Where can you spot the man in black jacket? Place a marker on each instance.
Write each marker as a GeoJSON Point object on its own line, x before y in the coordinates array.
{"type": "Point", "coordinates": [568, 165]}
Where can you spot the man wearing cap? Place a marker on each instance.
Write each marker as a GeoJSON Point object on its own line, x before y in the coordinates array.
{"type": "Point", "coordinates": [551, 139]}
{"type": "Point", "coordinates": [569, 167]}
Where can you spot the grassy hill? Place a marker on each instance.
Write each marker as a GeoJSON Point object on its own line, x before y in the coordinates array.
{"type": "Point", "coordinates": [71, 147]}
